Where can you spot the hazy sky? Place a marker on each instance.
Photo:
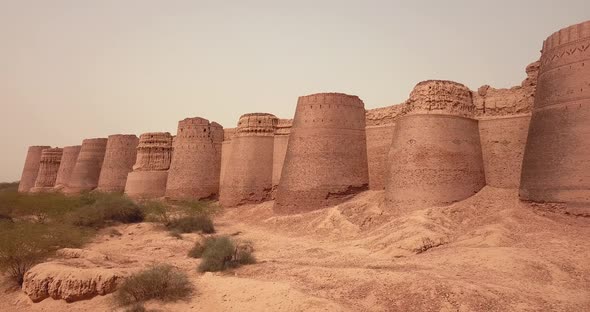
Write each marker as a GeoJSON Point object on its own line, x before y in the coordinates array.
{"type": "Point", "coordinates": [79, 69]}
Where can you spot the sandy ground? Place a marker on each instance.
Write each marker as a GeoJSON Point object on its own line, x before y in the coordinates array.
{"type": "Point", "coordinates": [488, 253]}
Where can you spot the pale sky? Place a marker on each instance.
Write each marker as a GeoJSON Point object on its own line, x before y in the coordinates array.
{"type": "Point", "coordinates": [75, 69]}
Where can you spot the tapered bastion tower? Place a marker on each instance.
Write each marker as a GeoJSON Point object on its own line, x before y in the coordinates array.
{"type": "Point", "coordinates": [435, 156]}
{"type": "Point", "coordinates": [66, 166]}
{"type": "Point", "coordinates": [326, 160]}
{"type": "Point", "coordinates": [31, 168]}
{"type": "Point", "coordinates": [88, 165]}
{"type": "Point", "coordinates": [119, 158]}
{"type": "Point", "coordinates": [48, 168]}
{"type": "Point", "coordinates": [150, 172]}
{"type": "Point", "coordinates": [248, 177]}
{"type": "Point", "coordinates": [196, 162]}
{"type": "Point", "coordinates": [556, 164]}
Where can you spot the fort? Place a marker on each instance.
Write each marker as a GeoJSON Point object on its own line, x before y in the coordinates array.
{"type": "Point", "coordinates": [556, 165]}
{"type": "Point", "coordinates": [196, 164]}
{"type": "Point", "coordinates": [68, 161]}
{"type": "Point", "coordinates": [440, 146]}
{"type": "Point", "coordinates": [326, 159]}
{"type": "Point", "coordinates": [86, 171]}
{"type": "Point", "coordinates": [248, 178]}
{"type": "Point", "coordinates": [120, 155]}
{"type": "Point", "coordinates": [48, 168]}
{"type": "Point", "coordinates": [150, 171]}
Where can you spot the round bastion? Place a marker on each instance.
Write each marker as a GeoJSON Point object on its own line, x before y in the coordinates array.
{"type": "Point", "coordinates": [31, 168]}
{"type": "Point", "coordinates": [86, 172]}
{"type": "Point", "coordinates": [196, 162]}
{"type": "Point", "coordinates": [248, 176]}
{"type": "Point", "coordinates": [556, 164]}
{"type": "Point", "coordinates": [68, 161]}
{"type": "Point", "coordinates": [120, 155]}
{"type": "Point", "coordinates": [48, 168]}
{"type": "Point", "coordinates": [150, 171]}
{"type": "Point", "coordinates": [435, 156]}
{"type": "Point", "coordinates": [326, 159]}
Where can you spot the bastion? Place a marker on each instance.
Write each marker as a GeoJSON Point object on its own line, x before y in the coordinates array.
{"type": "Point", "coordinates": [248, 178]}
{"type": "Point", "coordinates": [150, 171]}
{"type": "Point", "coordinates": [119, 158]}
{"type": "Point", "coordinates": [48, 167]}
{"type": "Point", "coordinates": [196, 164]}
{"type": "Point", "coordinates": [31, 168]}
{"type": "Point", "coordinates": [281, 141]}
{"type": "Point", "coordinates": [435, 156]}
{"type": "Point", "coordinates": [88, 165]}
{"type": "Point", "coordinates": [556, 165]}
{"type": "Point", "coordinates": [326, 160]}
{"type": "Point", "coordinates": [68, 161]}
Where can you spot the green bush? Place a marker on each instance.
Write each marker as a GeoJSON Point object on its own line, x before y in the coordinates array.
{"type": "Point", "coordinates": [220, 253]}
{"type": "Point", "coordinates": [24, 244]}
{"type": "Point", "coordinates": [161, 282]}
{"type": "Point", "coordinates": [107, 208]}
{"type": "Point", "coordinates": [193, 223]}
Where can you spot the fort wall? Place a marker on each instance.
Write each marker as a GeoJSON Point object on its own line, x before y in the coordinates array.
{"type": "Point", "coordinates": [226, 145]}
{"type": "Point", "coordinates": [503, 140]}
{"type": "Point", "coordinates": [378, 143]}
{"type": "Point", "coordinates": [281, 141]}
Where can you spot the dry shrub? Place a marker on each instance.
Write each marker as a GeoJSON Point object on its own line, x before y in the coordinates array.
{"type": "Point", "coordinates": [192, 223]}
{"type": "Point", "coordinates": [107, 208]}
{"type": "Point", "coordinates": [24, 244]}
{"type": "Point", "coordinates": [220, 253]}
{"type": "Point", "coordinates": [161, 282]}
{"type": "Point", "coordinates": [155, 211]}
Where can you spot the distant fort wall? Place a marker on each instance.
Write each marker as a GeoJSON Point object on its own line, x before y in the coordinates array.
{"type": "Point", "coordinates": [86, 172]}
{"type": "Point", "coordinates": [31, 168]}
{"type": "Point", "coordinates": [120, 155]}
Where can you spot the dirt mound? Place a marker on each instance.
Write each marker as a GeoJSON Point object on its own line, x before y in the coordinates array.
{"type": "Point", "coordinates": [69, 283]}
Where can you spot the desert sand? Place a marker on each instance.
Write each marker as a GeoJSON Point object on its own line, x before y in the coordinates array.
{"type": "Point", "coordinates": [490, 252]}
